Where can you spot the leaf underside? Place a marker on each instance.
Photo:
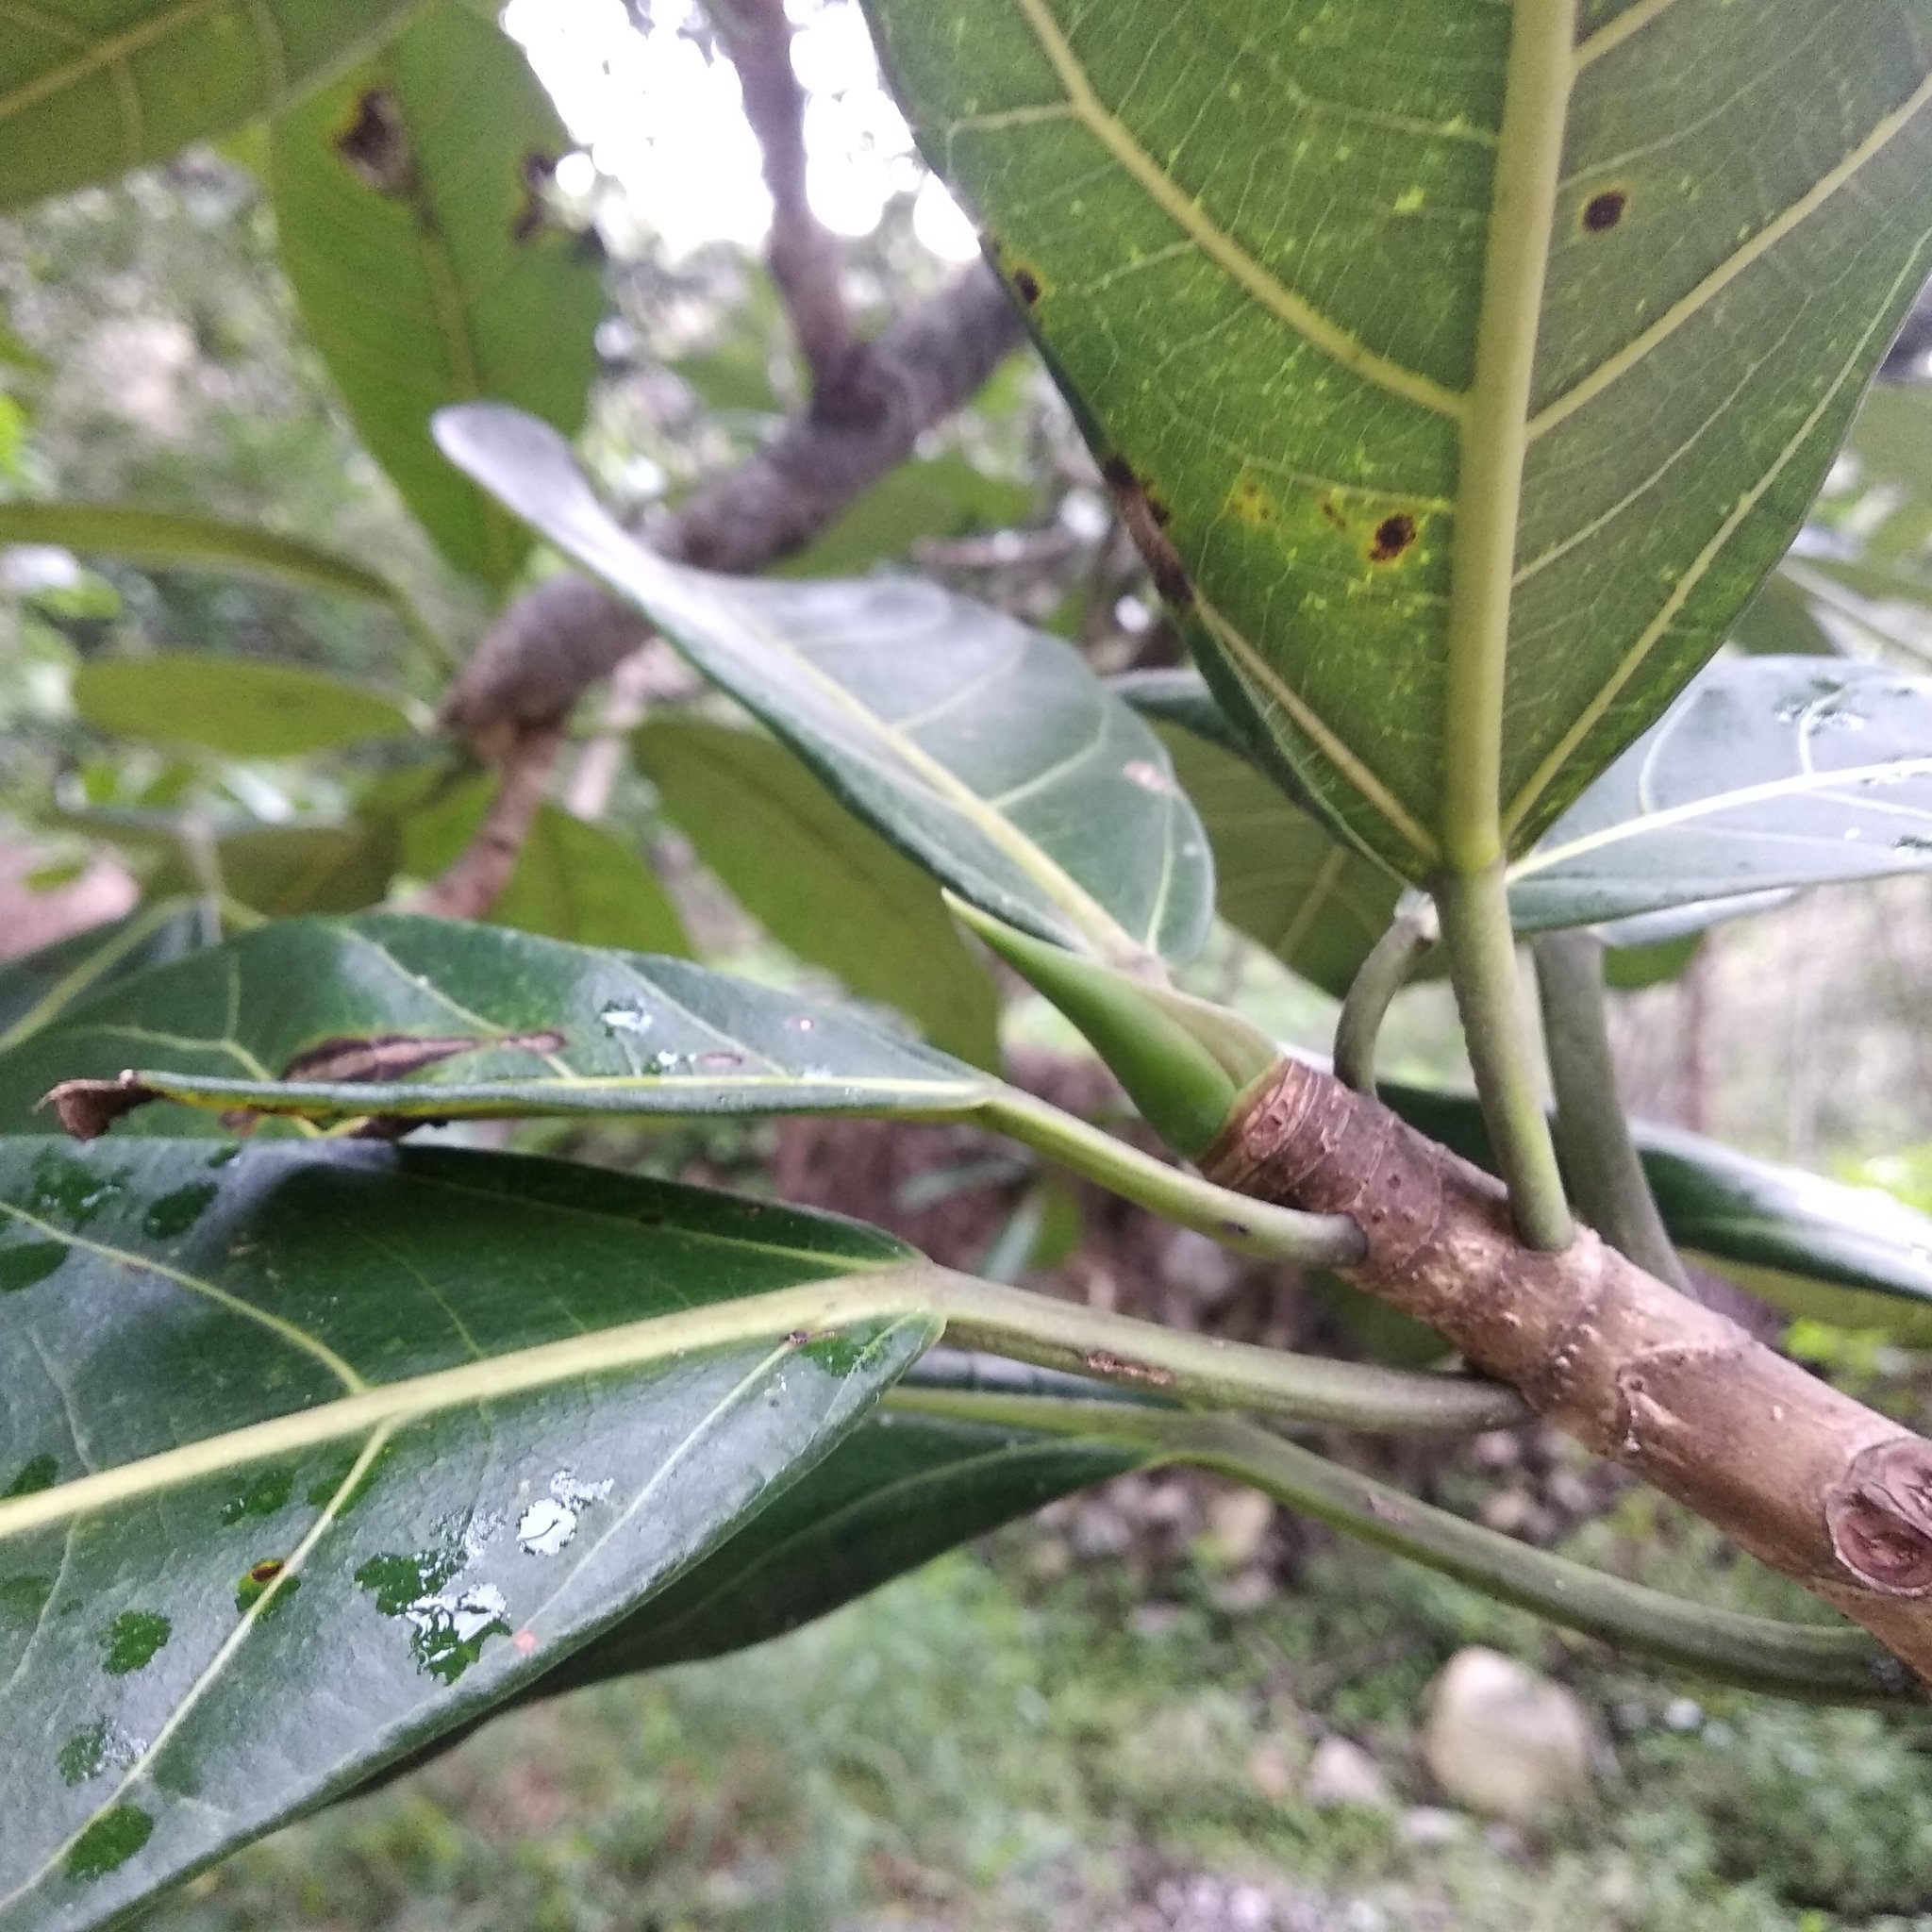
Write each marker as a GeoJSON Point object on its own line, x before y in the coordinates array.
{"type": "Point", "coordinates": [91, 88]}
{"type": "Point", "coordinates": [408, 211]}
{"type": "Point", "coordinates": [986, 751]}
{"type": "Point", "coordinates": [427, 1509]}
{"type": "Point", "coordinates": [1255, 247]}
{"type": "Point", "coordinates": [1768, 774]}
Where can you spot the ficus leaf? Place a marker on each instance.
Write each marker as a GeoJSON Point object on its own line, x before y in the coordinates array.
{"type": "Point", "coordinates": [239, 707]}
{"type": "Point", "coordinates": [1446, 362]}
{"type": "Point", "coordinates": [310, 1455]}
{"type": "Point", "coordinates": [639, 1034]}
{"type": "Point", "coordinates": [818, 881]}
{"type": "Point", "coordinates": [987, 752]}
{"type": "Point", "coordinates": [411, 212]}
{"type": "Point", "coordinates": [1768, 774]}
{"type": "Point", "coordinates": [89, 90]}
{"type": "Point", "coordinates": [169, 538]}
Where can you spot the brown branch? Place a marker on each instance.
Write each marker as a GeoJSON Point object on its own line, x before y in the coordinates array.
{"type": "Point", "coordinates": [806, 259]}
{"type": "Point", "coordinates": [475, 883]}
{"type": "Point", "coordinates": [1809, 1480]}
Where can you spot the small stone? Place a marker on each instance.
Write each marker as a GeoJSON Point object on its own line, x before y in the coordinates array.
{"type": "Point", "coordinates": [1683, 1714]}
{"type": "Point", "coordinates": [1428, 1826]}
{"type": "Point", "coordinates": [1343, 1773]}
{"type": "Point", "coordinates": [1238, 1524]}
{"type": "Point", "coordinates": [1509, 1512]}
{"type": "Point", "coordinates": [1242, 1595]}
{"type": "Point", "coordinates": [1248, 1909]}
{"type": "Point", "coordinates": [1496, 1449]}
{"type": "Point", "coordinates": [1503, 1740]}
{"type": "Point", "coordinates": [1273, 1771]}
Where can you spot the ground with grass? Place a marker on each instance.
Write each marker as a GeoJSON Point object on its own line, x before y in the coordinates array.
{"type": "Point", "coordinates": [1029, 1739]}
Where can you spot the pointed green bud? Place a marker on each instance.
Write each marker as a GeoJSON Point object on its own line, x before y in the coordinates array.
{"type": "Point", "coordinates": [1185, 1063]}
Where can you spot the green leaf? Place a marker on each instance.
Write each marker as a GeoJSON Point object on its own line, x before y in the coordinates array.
{"type": "Point", "coordinates": [508, 1024]}
{"type": "Point", "coordinates": [1781, 622]}
{"type": "Point", "coordinates": [899, 1491]}
{"type": "Point", "coordinates": [90, 90]}
{"type": "Point", "coordinates": [1850, 1256]}
{"type": "Point", "coordinates": [941, 497]}
{"type": "Point", "coordinates": [818, 881]}
{"type": "Point", "coordinates": [1453, 500]}
{"type": "Point", "coordinates": [315, 1454]}
{"type": "Point", "coordinates": [235, 705]}
{"type": "Point", "coordinates": [1770, 773]}
{"type": "Point", "coordinates": [161, 536]}
{"type": "Point", "coordinates": [285, 870]}
{"type": "Point", "coordinates": [409, 204]}
{"type": "Point", "coordinates": [984, 750]}
{"type": "Point", "coordinates": [572, 880]}
{"type": "Point", "coordinates": [1280, 875]}
{"type": "Point", "coordinates": [39, 987]}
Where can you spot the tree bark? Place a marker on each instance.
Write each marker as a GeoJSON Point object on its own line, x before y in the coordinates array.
{"type": "Point", "coordinates": [1811, 1482]}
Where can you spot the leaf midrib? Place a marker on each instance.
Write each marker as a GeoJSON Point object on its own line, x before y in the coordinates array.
{"type": "Point", "coordinates": [895, 1291]}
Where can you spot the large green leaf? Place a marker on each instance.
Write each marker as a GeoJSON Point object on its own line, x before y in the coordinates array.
{"type": "Point", "coordinates": [987, 751]}
{"type": "Point", "coordinates": [162, 537]}
{"type": "Point", "coordinates": [818, 881]}
{"type": "Point", "coordinates": [409, 204]}
{"type": "Point", "coordinates": [899, 1491]}
{"type": "Point", "coordinates": [314, 1453]}
{"type": "Point", "coordinates": [1280, 875]}
{"type": "Point", "coordinates": [1447, 359]}
{"type": "Point", "coordinates": [475, 1021]}
{"type": "Point", "coordinates": [38, 988]}
{"type": "Point", "coordinates": [572, 880]}
{"type": "Point", "coordinates": [237, 705]}
{"type": "Point", "coordinates": [1769, 773]}
{"type": "Point", "coordinates": [1810, 1246]}
{"type": "Point", "coordinates": [90, 87]}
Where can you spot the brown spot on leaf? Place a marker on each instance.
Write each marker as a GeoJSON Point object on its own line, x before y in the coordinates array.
{"type": "Point", "coordinates": [534, 215]}
{"type": "Point", "coordinates": [1145, 519]}
{"type": "Point", "coordinates": [1102, 1363]}
{"type": "Point", "coordinates": [394, 1056]}
{"type": "Point", "coordinates": [376, 145]}
{"type": "Point", "coordinates": [1332, 512]}
{"type": "Point", "coordinates": [1601, 212]}
{"type": "Point", "coordinates": [1393, 535]}
{"type": "Point", "coordinates": [87, 1108]}
{"type": "Point", "coordinates": [266, 1570]}
{"type": "Point", "coordinates": [1028, 285]}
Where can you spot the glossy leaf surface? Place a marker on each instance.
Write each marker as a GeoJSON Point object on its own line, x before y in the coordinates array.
{"type": "Point", "coordinates": [235, 705]}
{"type": "Point", "coordinates": [987, 751]}
{"type": "Point", "coordinates": [1452, 504]}
{"type": "Point", "coordinates": [409, 204]}
{"type": "Point", "coordinates": [1810, 1246]}
{"type": "Point", "coordinates": [36, 988]}
{"type": "Point", "coordinates": [508, 1024]}
{"type": "Point", "coordinates": [819, 882]}
{"type": "Point", "coordinates": [90, 88]}
{"type": "Point", "coordinates": [899, 1491]}
{"type": "Point", "coordinates": [1280, 875]}
{"type": "Point", "coordinates": [313, 1453]}
{"type": "Point", "coordinates": [1769, 773]}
